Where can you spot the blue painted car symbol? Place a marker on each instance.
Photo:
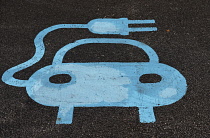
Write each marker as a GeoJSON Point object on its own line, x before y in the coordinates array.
{"type": "Point", "coordinates": [100, 83]}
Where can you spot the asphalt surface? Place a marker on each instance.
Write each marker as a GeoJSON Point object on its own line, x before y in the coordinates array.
{"type": "Point", "coordinates": [182, 41]}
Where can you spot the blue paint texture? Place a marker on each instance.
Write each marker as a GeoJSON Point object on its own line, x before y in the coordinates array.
{"type": "Point", "coordinates": [98, 84]}
{"type": "Point", "coordinates": [118, 26]}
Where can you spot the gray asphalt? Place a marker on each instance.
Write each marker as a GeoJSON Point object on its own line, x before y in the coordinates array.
{"type": "Point", "coordinates": [182, 41]}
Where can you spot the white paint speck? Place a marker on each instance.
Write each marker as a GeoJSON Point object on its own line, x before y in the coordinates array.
{"type": "Point", "coordinates": [168, 92]}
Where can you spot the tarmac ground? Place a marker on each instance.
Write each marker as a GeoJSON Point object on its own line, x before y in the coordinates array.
{"type": "Point", "coordinates": [182, 41]}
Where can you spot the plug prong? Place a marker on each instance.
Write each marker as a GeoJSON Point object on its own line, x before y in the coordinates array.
{"type": "Point", "coordinates": [140, 21]}
{"type": "Point", "coordinates": [142, 29]}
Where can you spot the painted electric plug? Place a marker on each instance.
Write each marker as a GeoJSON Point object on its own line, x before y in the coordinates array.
{"type": "Point", "coordinates": [118, 26]}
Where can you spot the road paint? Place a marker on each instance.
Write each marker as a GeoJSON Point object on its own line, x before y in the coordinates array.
{"type": "Point", "coordinates": [168, 92]}
{"type": "Point", "coordinates": [100, 83]}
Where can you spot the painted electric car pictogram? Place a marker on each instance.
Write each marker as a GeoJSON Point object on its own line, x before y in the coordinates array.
{"type": "Point", "coordinates": [96, 84]}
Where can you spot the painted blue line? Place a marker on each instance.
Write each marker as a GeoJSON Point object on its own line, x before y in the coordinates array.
{"type": "Point", "coordinates": [140, 21]}
{"type": "Point", "coordinates": [153, 57]}
{"type": "Point", "coordinates": [65, 114]}
{"type": "Point", "coordinates": [8, 78]}
{"type": "Point", "coordinates": [146, 115]}
{"type": "Point", "coordinates": [142, 29]}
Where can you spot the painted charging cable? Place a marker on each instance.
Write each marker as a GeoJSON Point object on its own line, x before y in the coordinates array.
{"type": "Point", "coordinates": [97, 26]}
